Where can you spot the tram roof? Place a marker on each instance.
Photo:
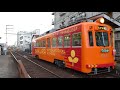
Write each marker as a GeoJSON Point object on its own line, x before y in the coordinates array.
{"type": "Point", "coordinates": [108, 20]}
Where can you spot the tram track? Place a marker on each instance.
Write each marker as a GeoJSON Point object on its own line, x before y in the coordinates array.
{"type": "Point", "coordinates": [35, 72]}
{"type": "Point", "coordinates": [61, 73]}
{"type": "Point", "coordinates": [56, 71]}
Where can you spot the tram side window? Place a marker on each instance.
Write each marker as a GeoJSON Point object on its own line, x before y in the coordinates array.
{"type": "Point", "coordinates": [40, 44]}
{"type": "Point", "coordinates": [76, 39]}
{"type": "Point", "coordinates": [44, 43]}
{"type": "Point", "coordinates": [67, 40]}
{"type": "Point", "coordinates": [37, 44]}
{"type": "Point", "coordinates": [48, 41]}
{"type": "Point", "coordinates": [54, 42]}
{"type": "Point", "coordinates": [60, 42]}
{"type": "Point", "coordinates": [90, 38]}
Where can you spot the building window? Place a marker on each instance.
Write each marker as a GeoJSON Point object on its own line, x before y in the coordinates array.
{"type": "Point", "coordinates": [67, 40]}
{"type": "Point", "coordinates": [117, 35]}
{"type": "Point", "coordinates": [21, 37]}
{"type": "Point", "coordinates": [21, 42]}
{"type": "Point", "coordinates": [76, 39]}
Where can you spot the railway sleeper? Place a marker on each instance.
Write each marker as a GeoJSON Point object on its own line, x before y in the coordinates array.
{"type": "Point", "coordinates": [59, 63]}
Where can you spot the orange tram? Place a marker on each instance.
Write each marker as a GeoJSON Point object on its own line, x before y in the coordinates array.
{"type": "Point", "coordinates": [86, 47]}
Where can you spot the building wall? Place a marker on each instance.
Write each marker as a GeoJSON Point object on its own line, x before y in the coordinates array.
{"type": "Point", "coordinates": [65, 17]}
{"type": "Point", "coordinates": [117, 42]}
{"type": "Point", "coordinates": [23, 40]}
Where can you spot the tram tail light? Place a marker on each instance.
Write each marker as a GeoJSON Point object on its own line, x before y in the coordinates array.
{"type": "Point", "coordinates": [114, 52]}
{"type": "Point", "coordinates": [95, 66]}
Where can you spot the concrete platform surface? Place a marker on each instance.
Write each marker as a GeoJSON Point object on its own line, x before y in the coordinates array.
{"type": "Point", "coordinates": [8, 68]}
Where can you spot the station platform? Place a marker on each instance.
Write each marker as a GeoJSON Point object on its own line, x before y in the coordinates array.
{"type": "Point", "coordinates": [8, 68]}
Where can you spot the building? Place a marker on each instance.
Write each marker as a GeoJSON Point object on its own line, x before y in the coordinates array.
{"type": "Point", "coordinates": [64, 19]}
{"type": "Point", "coordinates": [117, 41]}
{"type": "Point", "coordinates": [23, 40]}
{"type": "Point", "coordinates": [67, 18]}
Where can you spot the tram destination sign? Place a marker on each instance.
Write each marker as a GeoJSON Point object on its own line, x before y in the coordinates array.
{"type": "Point", "coordinates": [102, 28]}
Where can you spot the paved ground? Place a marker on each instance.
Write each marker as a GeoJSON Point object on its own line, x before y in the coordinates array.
{"type": "Point", "coordinates": [8, 68]}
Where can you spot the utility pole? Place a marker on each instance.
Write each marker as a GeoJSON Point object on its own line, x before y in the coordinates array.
{"type": "Point", "coordinates": [6, 31]}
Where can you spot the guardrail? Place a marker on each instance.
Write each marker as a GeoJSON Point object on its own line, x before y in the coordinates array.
{"type": "Point", "coordinates": [22, 71]}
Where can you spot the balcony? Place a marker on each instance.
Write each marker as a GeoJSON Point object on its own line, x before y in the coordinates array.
{"type": "Point", "coordinates": [62, 14]}
{"type": "Point", "coordinates": [53, 13]}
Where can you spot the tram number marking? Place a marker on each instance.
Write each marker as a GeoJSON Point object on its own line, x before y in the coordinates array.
{"type": "Point", "coordinates": [104, 55]}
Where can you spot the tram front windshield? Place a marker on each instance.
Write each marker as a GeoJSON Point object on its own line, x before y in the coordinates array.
{"type": "Point", "coordinates": [102, 39]}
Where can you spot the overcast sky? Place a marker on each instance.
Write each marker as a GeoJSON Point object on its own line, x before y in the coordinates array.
{"type": "Point", "coordinates": [23, 21]}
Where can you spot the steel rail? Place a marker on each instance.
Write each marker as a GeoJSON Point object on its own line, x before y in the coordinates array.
{"type": "Point", "coordinates": [39, 65]}
{"type": "Point", "coordinates": [22, 71]}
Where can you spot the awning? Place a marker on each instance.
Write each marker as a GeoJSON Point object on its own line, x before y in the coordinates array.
{"type": "Point", "coordinates": [108, 20]}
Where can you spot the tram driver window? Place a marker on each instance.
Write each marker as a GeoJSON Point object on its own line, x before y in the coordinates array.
{"type": "Point", "coordinates": [76, 39]}
{"type": "Point", "coordinates": [102, 39]}
{"type": "Point", "coordinates": [90, 39]}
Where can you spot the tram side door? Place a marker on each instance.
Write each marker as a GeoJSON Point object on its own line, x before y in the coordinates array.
{"type": "Point", "coordinates": [48, 50]}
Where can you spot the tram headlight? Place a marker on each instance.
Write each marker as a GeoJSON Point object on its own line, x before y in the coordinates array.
{"type": "Point", "coordinates": [102, 20]}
